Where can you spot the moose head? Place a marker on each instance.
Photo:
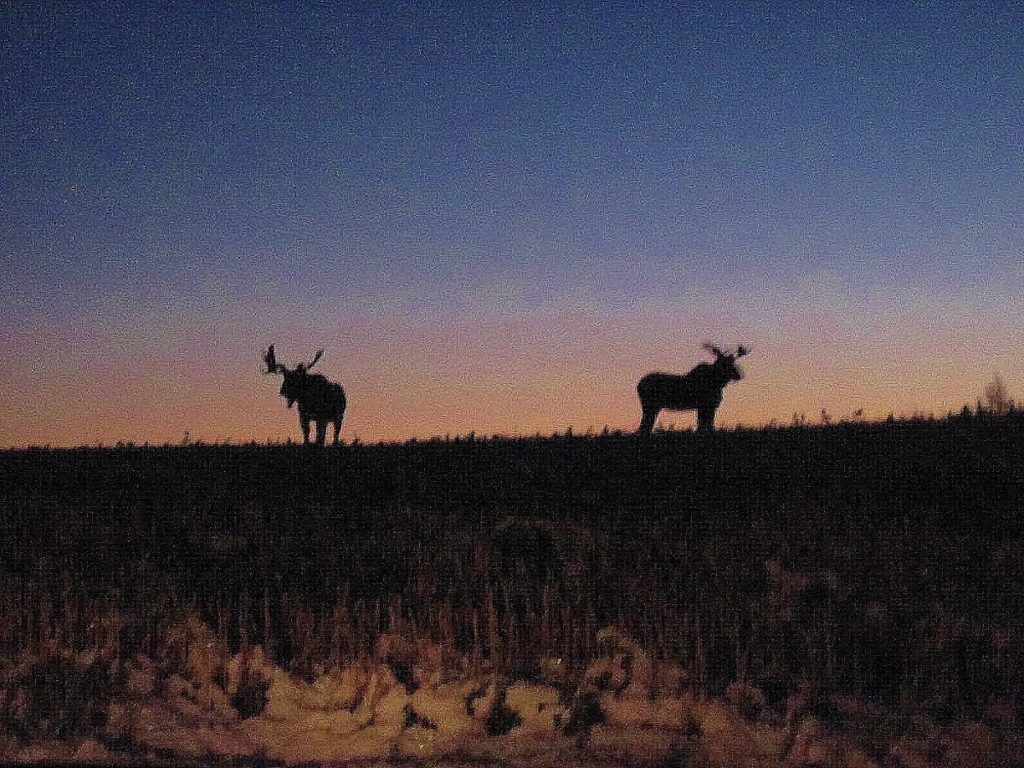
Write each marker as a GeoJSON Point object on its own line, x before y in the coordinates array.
{"type": "Point", "coordinates": [294, 383]}
{"type": "Point", "coordinates": [725, 362]}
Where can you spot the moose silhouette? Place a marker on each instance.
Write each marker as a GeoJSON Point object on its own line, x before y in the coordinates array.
{"type": "Point", "coordinates": [319, 400]}
{"type": "Point", "coordinates": [700, 390]}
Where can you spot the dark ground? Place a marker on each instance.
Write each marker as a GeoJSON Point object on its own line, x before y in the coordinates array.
{"type": "Point", "coordinates": [883, 559]}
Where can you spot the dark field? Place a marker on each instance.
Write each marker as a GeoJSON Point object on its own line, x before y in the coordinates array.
{"type": "Point", "coordinates": [883, 560]}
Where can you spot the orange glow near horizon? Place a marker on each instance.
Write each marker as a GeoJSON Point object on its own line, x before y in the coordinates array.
{"type": "Point", "coordinates": [523, 409]}
{"type": "Point", "coordinates": [512, 373]}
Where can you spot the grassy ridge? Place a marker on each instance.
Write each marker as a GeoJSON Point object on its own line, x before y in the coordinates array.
{"type": "Point", "coordinates": [881, 559]}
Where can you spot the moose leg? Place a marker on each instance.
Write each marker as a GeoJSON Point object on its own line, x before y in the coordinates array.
{"type": "Point", "coordinates": [304, 423]}
{"type": "Point", "coordinates": [321, 431]}
{"type": "Point", "coordinates": [337, 430]}
{"type": "Point", "coordinates": [650, 415]}
{"type": "Point", "coordinates": [705, 419]}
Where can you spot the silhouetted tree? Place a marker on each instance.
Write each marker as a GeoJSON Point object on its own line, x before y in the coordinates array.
{"type": "Point", "coordinates": [997, 399]}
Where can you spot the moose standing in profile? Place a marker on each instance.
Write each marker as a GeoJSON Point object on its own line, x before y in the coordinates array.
{"type": "Point", "coordinates": [319, 400]}
{"type": "Point", "coordinates": [700, 390]}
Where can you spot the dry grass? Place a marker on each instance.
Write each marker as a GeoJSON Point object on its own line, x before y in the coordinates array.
{"type": "Point", "coordinates": [882, 560]}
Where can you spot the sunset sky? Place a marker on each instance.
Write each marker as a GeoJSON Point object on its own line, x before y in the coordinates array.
{"type": "Point", "coordinates": [498, 220]}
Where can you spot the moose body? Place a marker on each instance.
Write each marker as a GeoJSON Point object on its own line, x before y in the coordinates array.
{"type": "Point", "coordinates": [319, 400]}
{"type": "Point", "coordinates": [699, 390]}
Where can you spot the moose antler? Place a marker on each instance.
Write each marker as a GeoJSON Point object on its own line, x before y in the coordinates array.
{"type": "Point", "coordinates": [272, 365]}
{"type": "Point", "coordinates": [319, 354]}
{"type": "Point", "coordinates": [713, 349]}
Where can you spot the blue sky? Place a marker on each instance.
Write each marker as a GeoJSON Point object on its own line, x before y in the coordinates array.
{"type": "Point", "coordinates": [353, 176]}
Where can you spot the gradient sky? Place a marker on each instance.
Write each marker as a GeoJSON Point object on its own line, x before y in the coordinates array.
{"type": "Point", "coordinates": [497, 219]}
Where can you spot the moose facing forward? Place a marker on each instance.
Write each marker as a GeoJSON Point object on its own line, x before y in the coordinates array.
{"type": "Point", "coordinates": [319, 400]}
{"type": "Point", "coordinates": [700, 390]}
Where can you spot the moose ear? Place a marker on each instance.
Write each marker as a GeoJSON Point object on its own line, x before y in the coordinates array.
{"type": "Point", "coordinates": [319, 354]}
{"type": "Point", "coordinates": [270, 360]}
{"type": "Point", "coordinates": [741, 351]}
